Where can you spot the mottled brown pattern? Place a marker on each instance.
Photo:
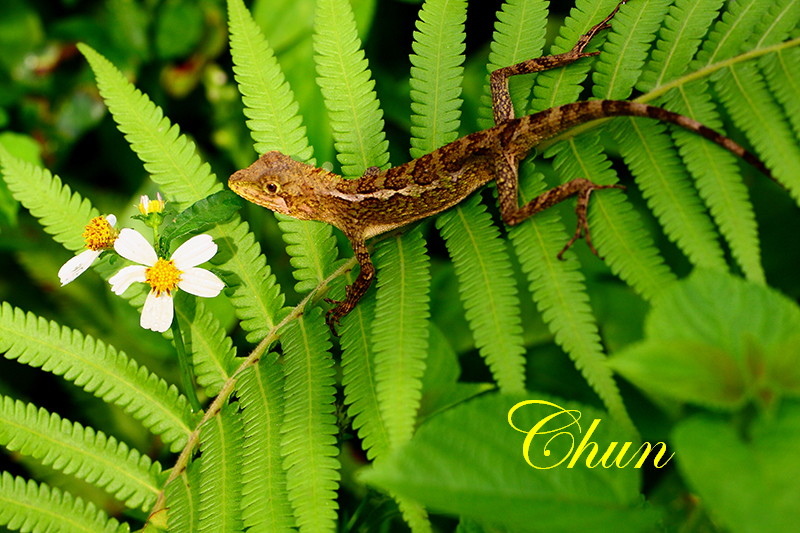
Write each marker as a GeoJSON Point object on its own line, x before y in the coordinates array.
{"type": "Point", "coordinates": [380, 201]}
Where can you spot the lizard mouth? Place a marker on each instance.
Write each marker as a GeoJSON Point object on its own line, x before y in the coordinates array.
{"type": "Point", "coordinates": [250, 191]}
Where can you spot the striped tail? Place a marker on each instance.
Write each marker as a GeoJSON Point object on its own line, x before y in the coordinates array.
{"type": "Point", "coordinates": [551, 122]}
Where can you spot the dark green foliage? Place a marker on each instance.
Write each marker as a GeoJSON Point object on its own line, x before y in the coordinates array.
{"type": "Point", "coordinates": [466, 318]}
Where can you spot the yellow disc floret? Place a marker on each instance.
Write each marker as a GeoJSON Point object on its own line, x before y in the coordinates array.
{"type": "Point", "coordinates": [163, 276]}
{"type": "Point", "coordinates": [99, 234]}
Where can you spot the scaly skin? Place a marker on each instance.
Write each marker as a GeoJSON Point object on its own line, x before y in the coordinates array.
{"type": "Point", "coordinates": [383, 200]}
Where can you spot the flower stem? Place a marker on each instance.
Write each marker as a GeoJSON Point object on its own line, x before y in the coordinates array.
{"type": "Point", "coordinates": [187, 375]}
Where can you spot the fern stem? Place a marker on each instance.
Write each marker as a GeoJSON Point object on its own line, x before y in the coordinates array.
{"type": "Point", "coordinates": [187, 374]}
{"type": "Point", "coordinates": [678, 82]}
{"type": "Point", "coordinates": [227, 389]}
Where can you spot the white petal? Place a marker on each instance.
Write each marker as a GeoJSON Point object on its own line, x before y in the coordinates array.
{"type": "Point", "coordinates": [125, 277]}
{"type": "Point", "coordinates": [200, 282]}
{"type": "Point", "coordinates": [157, 312]}
{"type": "Point", "coordinates": [132, 245]}
{"type": "Point", "coordinates": [111, 220]}
{"type": "Point", "coordinates": [195, 251]}
{"type": "Point", "coordinates": [77, 265]}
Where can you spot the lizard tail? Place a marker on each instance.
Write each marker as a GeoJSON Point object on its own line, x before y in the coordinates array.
{"type": "Point", "coordinates": [551, 122]}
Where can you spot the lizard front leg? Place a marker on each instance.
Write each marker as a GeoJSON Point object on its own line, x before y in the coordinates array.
{"type": "Point", "coordinates": [502, 107]}
{"type": "Point", "coordinates": [354, 292]}
{"type": "Point", "coordinates": [507, 178]}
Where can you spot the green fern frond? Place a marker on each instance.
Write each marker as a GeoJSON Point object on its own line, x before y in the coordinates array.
{"type": "Point", "coordinates": [617, 230]}
{"type": "Point", "coordinates": [659, 172]}
{"type": "Point", "coordinates": [173, 163]}
{"type": "Point", "coordinates": [715, 170]}
{"type": "Point", "coordinates": [80, 451]}
{"type": "Point", "coordinates": [436, 74]}
{"type": "Point", "coordinates": [212, 351]}
{"type": "Point", "coordinates": [98, 369]}
{"type": "Point", "coordinates": [560, 294]}
{"type": "Point", "coordinates": [62, 213]}
{"type": "Point", "coordinates": [312, 248]}
{"type": "Point", "coordinates": [348, 89]}
{"type": "Point", "coordinates": [753, 110]}
{"type": "Point", "coordinates": [784, 82]}
{"type": "Point", "coordinates": [269, 105]}
{"type": "Point", "coordinates": [359, 382]}
{"type": "Point", "coordinates": [563, 85]}
{"type": "Point", "coordinates": [265, 503]}
{"type": "Point", "coordinates": [220, 473]}
{"type": "Point", "coordinates": [729, 34]}
{"type": "Point", "coordinates": [28, 506]}
{"type": "Point", "coordinates": [781, 22]}
{"type": "Point", "coordinates": [488, 290]}
{"type": "Point", "coordinates": [681, 33]}
{"type": "Point", "coordinates": [256, 295]}
{"type": "Point", "coordinates": [308, 440]}
{"type": "Point", "coordinates": [400, 331]}
{"type": "Point", "coordinates": [183, 500]}
{"type": "Point", "coordinates": [624, 53]}
{"type": "Point", "coordinates": [170, 158]}
{"type": "Point", "coordinates": [275, 124]}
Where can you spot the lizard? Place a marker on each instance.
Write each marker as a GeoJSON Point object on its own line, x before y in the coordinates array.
{"type": "Point", "coordinates": [383, 200]}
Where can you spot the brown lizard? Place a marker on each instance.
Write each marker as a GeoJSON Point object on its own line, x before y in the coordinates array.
{"type": "Point", "coordinates": [383, 200]}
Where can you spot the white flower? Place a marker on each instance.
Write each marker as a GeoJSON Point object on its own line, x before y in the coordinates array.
{"type": "Point", "coordinates": [165, 276]}
{"type": "Point", "coordinates": [99, 235]}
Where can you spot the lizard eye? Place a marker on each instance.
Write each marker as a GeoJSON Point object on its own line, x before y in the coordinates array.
{"type": "Point", "coordinates": [272, 187]}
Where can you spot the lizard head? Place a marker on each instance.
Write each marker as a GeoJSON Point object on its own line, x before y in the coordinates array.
{"type": "Point", "coordinates": [278, 182]}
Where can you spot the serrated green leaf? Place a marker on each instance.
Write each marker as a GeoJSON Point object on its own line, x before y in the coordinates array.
{"type": "Point", "coordinates": [80, 451]}
{"type": "Point", "coordinates": [308, 442]}
{"type": "Point", "coordinates": [99, 369]}
{"type": "Point", "coordinates": [199, 217]}
{"type": "Point", "coordinates": [220, 473]}
{"type": "Point", "coordinates": [28, 506]}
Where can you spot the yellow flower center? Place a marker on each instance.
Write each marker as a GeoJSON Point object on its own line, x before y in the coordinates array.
{"type": "Point", "coordinates": [99, 234]}
{"type": "Point", "coordinates": [163, 276]}
{"type": "Point", "coordinates": [147, 206]}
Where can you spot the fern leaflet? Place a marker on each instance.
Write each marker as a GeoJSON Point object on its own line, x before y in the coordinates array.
{"type": "Point", "coordinates": [659, 172]}
{"type": "Point", "coordinates": [753, 110]}
{"type": "Point", "coordinates": [308, 440]}
{"type": "Point", "coordinates": [348, 89]}
{"type": "Point", "coordinates": [265, 504]}
{"type": "Point", "coordinates": [400, 331]}
{"type": "Point", "coordinates": [680, 36]}
{"type": "Point", "coordinates": [98, 369]}
{"type": "Point", "coordinates": [784, 82]}
{"type": "Point", "coordinates": [519, 34]}
{"type": "Point", "coordinates": [487, 287]}
{"type": "Point", "coordinates": [358, 379]}
{"type": "Point", "coordinates": [620, 64]}
{"type": "Point", "coordinates": [212, 351]}
{"type": "Point", "coordinates": [220, 473]}
{"type": "Point", "coordinates": [28, 506]}
{"type": "Point", "coordinates": [183, 500]}
{"type": "Point", "coordinates": [81, 451]}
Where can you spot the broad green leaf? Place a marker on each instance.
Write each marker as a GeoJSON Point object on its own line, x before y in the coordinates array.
{"type": "Point", "coordinates": [200, 216]}
{"type": "Point", "coordinates": [468, 461]}
{"type": "Point", "coordinates": [747, 482]}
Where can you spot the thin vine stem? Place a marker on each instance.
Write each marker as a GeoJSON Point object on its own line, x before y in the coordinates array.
{"type": "Point", "coordinates": [230, 384]}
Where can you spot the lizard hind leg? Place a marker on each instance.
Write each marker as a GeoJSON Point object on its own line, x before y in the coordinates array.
{"type": "Point", "coordinates": [512, 214]}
